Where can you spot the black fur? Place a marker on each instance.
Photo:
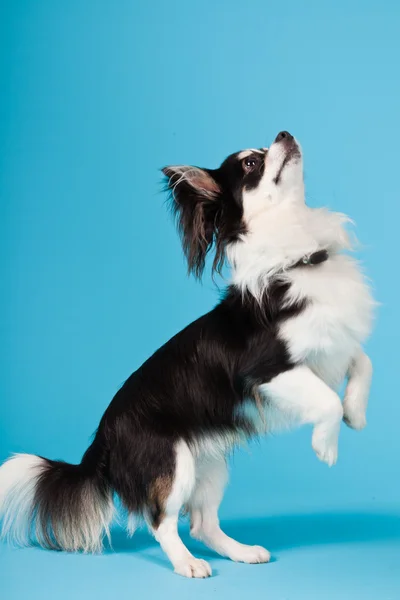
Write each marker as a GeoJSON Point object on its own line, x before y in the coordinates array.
{"type": "Point", "coordinates": [64, 492]}
{"type": "Point", "coordinates": [212, 213]}
{"type": "Point", "coordinates": [192, 386]}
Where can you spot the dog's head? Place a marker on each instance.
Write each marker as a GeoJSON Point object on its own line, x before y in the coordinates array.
{"type": "Point", "coordinates": [217, 207]}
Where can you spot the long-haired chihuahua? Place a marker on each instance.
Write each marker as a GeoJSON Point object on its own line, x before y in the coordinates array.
{"type": "Point", "coordinates": [272, 353]}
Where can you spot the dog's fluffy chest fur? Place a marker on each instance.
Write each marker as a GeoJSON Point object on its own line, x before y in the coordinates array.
{"type": "Point", "coordinates": [336, 319]}
{"type": "Point", "coordinates": [338, 304]}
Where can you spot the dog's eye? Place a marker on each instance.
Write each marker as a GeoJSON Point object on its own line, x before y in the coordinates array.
{"type": "Point", "coordinates": [250, 163]}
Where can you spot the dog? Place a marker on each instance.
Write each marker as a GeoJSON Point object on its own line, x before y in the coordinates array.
{"type": "Point", "coordinates": [272, 353]}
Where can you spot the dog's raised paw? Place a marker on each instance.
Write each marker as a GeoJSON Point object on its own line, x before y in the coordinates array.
{"type": "Point", "coordinates": [355, 419]}
{"type": "Point", "coordinates": [325, 446]}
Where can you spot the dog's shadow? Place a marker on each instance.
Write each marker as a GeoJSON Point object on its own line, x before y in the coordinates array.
{"type": "Point", "coordinates": [278, 533]}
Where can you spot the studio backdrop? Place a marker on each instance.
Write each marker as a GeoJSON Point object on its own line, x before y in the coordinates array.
{"type": "Point", "coordinates": [96, 98]}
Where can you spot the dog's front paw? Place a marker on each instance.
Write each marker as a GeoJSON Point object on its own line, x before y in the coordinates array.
{"type": "Point", "coordinates": [354, 417]}
{"type": "Point", "coordinates": [354, 407]}
{"type": "Point", "coordinates": [356, 396]}
{"type": "Point", "coordinates": [325, 445]}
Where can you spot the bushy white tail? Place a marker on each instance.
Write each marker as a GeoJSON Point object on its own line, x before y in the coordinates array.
{"type": "Point", "coordinates": [56, 504]}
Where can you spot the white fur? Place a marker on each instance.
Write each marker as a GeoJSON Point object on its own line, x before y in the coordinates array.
{"type": "Point", "coordinates": [281, 230]}
{"type": "Point", "coordinates": [327, 335]}
{"type": "Point", "coordinates": [278, 236]}
{"type": "Point", "coordinates": [216, 446]}
{"type": "Point", "coordinates": [304, 398]}
{"type": "Point", "coordinates": [357, 391]}
{"type": "Point", "coordinates": [211, 478]}
{"type": "Point", "coordinates": [18, 476]}
{"type": "Point", "coordinates": [199, 481]}
{"type": "Point", "coordinates": [244, 153]}
{"type": "Point", "coordinates": [183, 561]}
{"type": "Point", "coordinates": [132, 524]}
{"type": "Point", "coordinates": [18, 480]}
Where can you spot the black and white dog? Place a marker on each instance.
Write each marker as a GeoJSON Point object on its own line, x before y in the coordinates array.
{"type": "Point", "coordinates": [273, 352]}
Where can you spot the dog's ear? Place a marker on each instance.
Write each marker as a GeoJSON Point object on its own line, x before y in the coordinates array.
{"type": "Point", "coordinates": [196, 203]}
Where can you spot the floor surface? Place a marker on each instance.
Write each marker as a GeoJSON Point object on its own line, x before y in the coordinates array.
{"type": "Point", "coordinates": [325, 556]}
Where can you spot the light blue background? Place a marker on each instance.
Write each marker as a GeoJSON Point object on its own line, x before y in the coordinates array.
{"type": "Point", "coordinates": [96, 96]}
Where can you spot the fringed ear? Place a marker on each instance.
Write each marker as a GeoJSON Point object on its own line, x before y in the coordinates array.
{"type": "Point", "coordinates": [196, 203]}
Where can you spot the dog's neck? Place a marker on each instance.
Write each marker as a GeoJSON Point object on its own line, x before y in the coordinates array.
{"type": "Point", "coordinates": [278, 238]}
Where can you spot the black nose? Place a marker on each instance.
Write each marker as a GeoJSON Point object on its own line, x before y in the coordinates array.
{"type": "Point", "coordinates": [283, 135]}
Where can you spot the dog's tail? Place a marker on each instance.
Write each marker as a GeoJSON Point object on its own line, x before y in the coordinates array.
{"type": "Point", "coordinates": [58, 505]}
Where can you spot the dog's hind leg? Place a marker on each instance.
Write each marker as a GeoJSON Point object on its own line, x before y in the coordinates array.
{"type": "Point", "coordinates": [172, 496]}
{"type": "Point", "coordinates": [211, 478]}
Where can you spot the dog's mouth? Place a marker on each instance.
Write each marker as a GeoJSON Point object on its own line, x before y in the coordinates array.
{"type": "Point", "coordinates": [291, 151]}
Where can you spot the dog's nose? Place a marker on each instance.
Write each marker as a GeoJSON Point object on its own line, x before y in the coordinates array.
{"type": "Point", "coordinates": [283, 135]}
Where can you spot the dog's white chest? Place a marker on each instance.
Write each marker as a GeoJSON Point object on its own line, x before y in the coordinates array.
{"type": "Point", "coordinates": [337, 318]}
